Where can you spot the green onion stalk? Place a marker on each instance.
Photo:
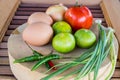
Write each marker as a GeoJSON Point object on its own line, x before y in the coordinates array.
{"type": "Point", "coordinates": [91, 59]}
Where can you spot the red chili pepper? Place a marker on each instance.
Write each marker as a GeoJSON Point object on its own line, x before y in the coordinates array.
{"type": "Point", "coordinates": [51, 64]}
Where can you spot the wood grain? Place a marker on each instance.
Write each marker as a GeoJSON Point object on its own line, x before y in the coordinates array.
{"type": "Point", "coordinates": [2, 77]}
{"type": "Point", "coordinates": [5, 70]}
{"type": "Point", "coordinates": [7, 10]}
{"type": "Point", "coordinates": [4, 61]}
{"type": "Point", "coordinates": [87, 2]}
{"type": "Point", "coordinates": [3, 53]}
{"type": "Point", "coordinates": [3, 45]}
{"type": "Point", "coordinates": [5, 38]}
{"type": "Point", "coordinates": [115, 79]}
{"type": "Point", "coordinates": [116, 73]}
{"type": "Point", "coordinates": [111, 10]}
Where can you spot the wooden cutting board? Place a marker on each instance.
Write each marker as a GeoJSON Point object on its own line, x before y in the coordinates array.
{"type": "Point", "coordinates": [22, 71]}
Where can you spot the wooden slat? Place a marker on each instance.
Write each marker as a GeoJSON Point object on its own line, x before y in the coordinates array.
{"type": "Point", "coordinates": [3, 53]}
{"type": "Point", "coordinates": [7, 11]}
{"type": "Point", "coordinates": [12, 27]}
{"type": "Point", "coordinates": [30, 5]}
{"type": "Point", "coordinates": [5, 38]}
{"type": "Point", "coordinates": [8, 32]}
{"type": "Point", "coordinates": [4, 61]}
{"type": "Point", "coordinates": [44, 9]}
{"type": "Point", "coordinates": [23, 13]}
{"type": "Point", "coordinates": [3, 45]}
{"type": "Point", "coordinates": [86, 2]}
{"type": "Point", "coordinates": [18, 22]}
{"type": "Point", "coordinates": [111, 10]}
{"type": "Point", "coordinates": [7, 77]}
{"type": "Point", "coordinates": [21, 17]}
{"type": "Point", "coordinates": [115, 79]}
{"type": "Point", "coordinates": [31, 9]}
{"type": "Point", "coordinates": [118, 65]}
{"type": "Point", "coordinates": [116, 73]}
{"type": "Point", "coordinates": [5, 70]}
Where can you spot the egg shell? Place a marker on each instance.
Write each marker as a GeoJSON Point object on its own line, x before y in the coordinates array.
{"type": "Point", "coordinates": [37, 34]}
{"type": "Point", "coordinates": [40, 17]}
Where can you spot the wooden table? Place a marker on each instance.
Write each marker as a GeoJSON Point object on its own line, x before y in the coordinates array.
{"type": "Point", "coordinates": [19, 18]}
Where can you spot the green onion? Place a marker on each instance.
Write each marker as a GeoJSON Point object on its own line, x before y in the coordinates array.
{"type": "Point", "coordinates": [91, 59]}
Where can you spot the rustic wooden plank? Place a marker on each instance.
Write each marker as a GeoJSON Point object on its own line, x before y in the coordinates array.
{"type": "Point", "coordinates": [98, 15]}
{"type": "Point", "coordinates": [4, 61]}
{"type": "Point", "coordinates": [5, 38]}
{"type": "Point", "coordinates": [116, 73]}
{"type": "Point", "coordinates": [85, 2]}
{"type": "Point", "coordinates": [115, 79]}
{"type": "Point", "coordinates": [12, 27]}
{"type": "Point", "coordinates": [3, 45]}
{"type": "Point", "coordinates": [24, 13]}
{"type": "Point", "coordinates": [18, 22]}
{"type": "Point", "coordinates": [21, 17]}
{"type": "Point", "coordinates": [34, 5]}
{"type": "Point", "coordinates": [95, 7]}
{"type": "Point", "coordinates": [6, 13]}
{"type": "Point", "coordinates": [4, 77]}
{"type": "Point", "coordinates": [112, 15]}
{"type": "Point", "coordinates": [96, 11]}
{"type": "Point", "coordinates": [3, 53]}
{"type": "Point", "coordinates": [44, 9]}
{"type": "Point", "coordinates": [8, 32]}
{"type": "Point", "coordinates": [31, 9]}
{"type": "Point", "coordinates": [5, 70]}
{"type": "Point", "coordinates": [118, 65]}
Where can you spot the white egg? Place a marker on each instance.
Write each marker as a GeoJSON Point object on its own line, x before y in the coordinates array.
{"type": "Point", "coordinates": [40, 17]}
{"type": "Point", "coordinates": [37, 34]}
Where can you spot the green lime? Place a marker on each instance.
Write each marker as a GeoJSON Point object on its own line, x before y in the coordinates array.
{"type": "Point", "coordinates": [61, 26]}
{"type": "Point", "coordinates": [63, 42]}
{"type": "Point", "coordinates": [84, 38]}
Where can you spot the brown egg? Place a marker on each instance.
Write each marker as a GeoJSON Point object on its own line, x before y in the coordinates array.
{"type": "Point", "coordinates": [40, 17]}
{"type": "Point", "coordinates": [37, 34]}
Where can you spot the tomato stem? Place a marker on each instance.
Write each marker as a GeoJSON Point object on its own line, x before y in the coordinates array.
{"type": "Point", "coordinates": [76, 4]}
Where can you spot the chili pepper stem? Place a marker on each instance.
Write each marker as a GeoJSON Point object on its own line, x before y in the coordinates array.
{"type": "Point", "coordinates": [41, 55]}
{"type": "Point", "coordinates": [29, 46]}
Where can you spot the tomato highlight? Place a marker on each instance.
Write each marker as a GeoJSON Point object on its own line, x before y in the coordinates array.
{"type": "Point", "coordinates": [79, 17]}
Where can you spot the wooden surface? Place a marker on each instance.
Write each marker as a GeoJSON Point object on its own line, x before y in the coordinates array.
{"type": "Point", "coordinates": [88, 2]}
{"type": "Point", "coordinates": [7, 10]}
{"type": "Point", "coordinates": [111, 11]}
{"type": "Point", "coordinates": [20, 17]}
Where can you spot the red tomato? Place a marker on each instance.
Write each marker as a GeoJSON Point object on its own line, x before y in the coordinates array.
{"type": "Point", "coordinates": [79, 17]}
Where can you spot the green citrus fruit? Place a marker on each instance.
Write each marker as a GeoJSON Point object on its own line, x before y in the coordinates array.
{"type": "Point", "coordinates": [84, 38]}
{"type": "Point", "coordinates": [61, 26]}
{"type": "Point", "coordinates": [63, 42]}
